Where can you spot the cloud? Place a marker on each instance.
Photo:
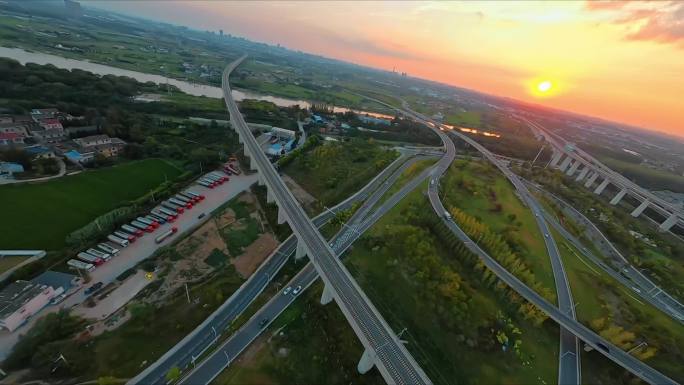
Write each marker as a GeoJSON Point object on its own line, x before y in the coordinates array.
{"type": "Point", "coordinates": [661, 26]}
{"type": "Point", "coordinates": [602, 5]}
{"type": "Point", "coordinates": [661, 22]}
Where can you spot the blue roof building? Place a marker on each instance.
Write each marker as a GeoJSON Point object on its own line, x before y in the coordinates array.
{"type": "Point", "coordinates": [9, 168]}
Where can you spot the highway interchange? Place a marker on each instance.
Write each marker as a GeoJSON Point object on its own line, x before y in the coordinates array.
{"type": "Point", "coordinates": [222, 356]}
{"type": "Point", "coordinates": [205, 335]}
{"type": "Point", "coordinates": [384, 348]}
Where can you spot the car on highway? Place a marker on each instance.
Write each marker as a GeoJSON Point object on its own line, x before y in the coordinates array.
{"type": "Point", "coordinates": [93, 288]}
{"type": "Point", "coordinates": [546, 235]}
{"type": "Point", "coordinates": [297, 290]}
{"type": "Point", "coordinates": [201, 215]}
{"type": "Point", "coordinates": [263, 322]}
{"type": "Point", "coordinates": [287, 290]}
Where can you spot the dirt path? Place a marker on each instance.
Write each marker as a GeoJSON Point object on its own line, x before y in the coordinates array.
{"type": "Point", "coordinates": [254, 254]}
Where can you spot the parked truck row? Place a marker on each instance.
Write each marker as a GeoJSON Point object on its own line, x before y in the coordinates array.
{"type": "Point", "coordinates": [166, 212]}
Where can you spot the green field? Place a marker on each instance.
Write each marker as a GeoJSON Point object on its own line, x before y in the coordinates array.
{"type": "Point", "coordinates": [41, 215]}
{"type": "Point", "coordinates": [333, 171]}
{"type": "Point", "coordinates": [464, 118]}
{"type": "Point", "coordinates": [481, 191]}
{"type": "Point", "coordinates": [645, 176]}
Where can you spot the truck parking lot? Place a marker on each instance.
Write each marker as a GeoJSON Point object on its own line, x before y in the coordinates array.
{"type": "Point", "coordinates": [136, 252]}
{"type": "Point", "coordinates": [145, 246]}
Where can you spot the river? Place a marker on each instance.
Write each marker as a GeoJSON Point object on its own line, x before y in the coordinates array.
{"type": "Point", "coordinates": [195, 89]}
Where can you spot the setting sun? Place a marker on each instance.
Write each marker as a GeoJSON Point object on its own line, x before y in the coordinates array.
{"type": "Point", "coordinates": [544, 86]}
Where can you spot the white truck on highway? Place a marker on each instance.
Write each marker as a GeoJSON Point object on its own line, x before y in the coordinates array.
{"type": "Point", "coordinates": [75, 263]}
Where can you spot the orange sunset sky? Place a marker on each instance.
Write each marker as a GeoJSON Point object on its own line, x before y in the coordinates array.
{"type": "Point", "coordinates": [622, 61]}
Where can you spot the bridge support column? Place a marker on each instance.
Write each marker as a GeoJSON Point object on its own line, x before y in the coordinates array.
{"type": "Point", "coordinates": [591, 179]}
{"type": "Point", "coordinates": [582, 174]}
{"type": "Point", "coordinates": [669, 222]}
{"type": "Point", "coordinates": [260, 180]}
{"type": "Point", "coordinates": [240, 139]}
{"type": "Point", "coordinates": [618, 197]}
{"type": "Point", "coordinates": [327, 296]}
{"type": "Point", "coordinates": [281, 216]}
{"type": "Point", "coordinates": [269, 196]}
{"type": "Point", "coordinates": [564, 165]}
{"type": "Point", "coordinates": [557, 155]}
{"type": "Point", "coordinates": [637, 211]}
{"type": "Point", "coordinates": [601, 187]}
{"type": "Point", "coordinates": [301, 251]}
{"type": "Point", "coordinates": [574, 168]}
{"type": "Point", "coordinates": [366, 362]}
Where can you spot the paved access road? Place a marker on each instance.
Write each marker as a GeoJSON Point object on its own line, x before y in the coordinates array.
{"type": "Point", "coordinates": [388, 354]}
{"type": "Point", "coordinates": [208, 369]}
{"type": "Point", "coordinates": [205, 335]}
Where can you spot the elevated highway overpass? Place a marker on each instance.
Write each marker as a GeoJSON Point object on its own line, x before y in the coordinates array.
{"type": "Point", "coordinates": [383, 348]}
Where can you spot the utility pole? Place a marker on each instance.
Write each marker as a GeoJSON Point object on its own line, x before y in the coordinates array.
{"type": "Point", "coordinates": [187, 292]}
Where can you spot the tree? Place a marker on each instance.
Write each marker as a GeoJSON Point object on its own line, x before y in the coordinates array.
{"type": "Point", "coordinates": [173, 374]}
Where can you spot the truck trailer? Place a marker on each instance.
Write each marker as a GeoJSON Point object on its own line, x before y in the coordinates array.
{"type": "Point", "coordinates": [180, 203]}
{"type": "Point", "coordinates": [102, 255]}
{"type": "Point", "coordinates": [148, 222]}
{"type": "Point", "coordinates": [108, 249]}
{"type": "Point", "coordinates": [132, 230]}
{"type": "Point", "coordinates": [165, 235]}
{"type": "Point", "coordinates": [200, 196]}
{"type": "Point", "coordinates": [89, 258]}
{"type": "Point", "coordinates": [123, 235]}
{"type": "Point", "coordinates": [172, 206]}
{"type": "Point", "coordinates": [75, 263]}
{"type": "Point", "coordinates": [123, 242]}
{"type": "Point", "coordinates": [167, 212]}
{"type": "Point", "coordinates": [142, 226]}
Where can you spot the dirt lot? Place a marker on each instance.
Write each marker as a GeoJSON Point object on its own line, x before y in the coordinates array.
{"type": "Point", "coordinates": [254, 254]}
{"type": "Point", "coordinates": [193, 251]}
{"type": "Point", "coordinates": [304, 198]}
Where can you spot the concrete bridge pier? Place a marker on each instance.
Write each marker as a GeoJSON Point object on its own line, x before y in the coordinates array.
{"type": "Point", "coordinates": [301, 250]}
{"type": "Point", "coordinates": [281, 216]}
{"type": "Point", "coordinates": [557, 155]}
{"type": "Point", "coordinates": [669, 222]}
{"type": "Point", "coordinates": [269, 196]}
{"type": "Point", "coordinates": [582, 174]}
{"type": "Point", "coordinates": [618, 197]}
{"type": "Point", "coordinates": [637, 211]}
{"type": "Point", "coordinates": [366, 362]}
{"type": "Point", "coordinates": [564, 165]}
{"type": "Point", "coordinates": [574, 168]}
{"type": "Point", "coordinates": [260, 180]}
{"type": "Point", "coordinates": [326, 297]}
{"type": "Point", "coordinates": [591, 180]}
{"type": "Point", "coordinates": [601, 187]}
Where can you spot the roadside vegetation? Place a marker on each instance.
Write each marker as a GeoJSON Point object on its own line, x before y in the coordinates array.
{"type": "Point", "coordinates": [619, 315]}
{"type": "Point", "coordinates": [659, 254]}
{"type": "Point", "coordinates": [486, 206]}
{"type": "Point", "coordinates": [335, 170]}
{"type": "Point", "coordinates": [461, 324]}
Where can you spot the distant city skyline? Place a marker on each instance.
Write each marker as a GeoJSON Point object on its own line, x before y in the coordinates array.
{"type": "Point", "coordinates": [618, 60]}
